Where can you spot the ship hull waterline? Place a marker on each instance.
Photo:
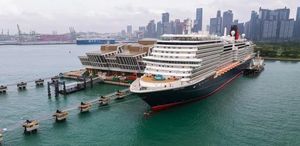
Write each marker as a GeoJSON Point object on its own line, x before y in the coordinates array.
{"type": "Point", "coordinates": [165, 99]}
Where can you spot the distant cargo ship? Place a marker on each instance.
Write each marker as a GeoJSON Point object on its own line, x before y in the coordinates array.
{"type": "Point", "coordinates": [90, 41]}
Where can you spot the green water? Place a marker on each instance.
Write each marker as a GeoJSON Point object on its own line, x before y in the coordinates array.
{"type": "Point", "coordinates": [250, 111]}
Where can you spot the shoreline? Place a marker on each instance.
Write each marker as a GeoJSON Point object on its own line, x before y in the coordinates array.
{"type": "Point", "coordinates": [281, 59]}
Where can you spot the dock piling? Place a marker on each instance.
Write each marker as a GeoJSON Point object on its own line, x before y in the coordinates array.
{"type": "Point", "coordinates": [49, 90]}
{"type": "Point", "coordinates": [64, 86]}
{"type": "Point", "coordinates": [56, 88]}
{"type": "Point", "coordinates": [91, 78]}
{"type": "Point", "coordinates": [84, 83]}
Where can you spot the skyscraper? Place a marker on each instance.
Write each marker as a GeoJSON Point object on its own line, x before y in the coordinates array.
{"type": "Point", "coordinates": [297, 24]}
{"type": "Point", "coordinates": [216, 25]}
{"type": "Point", "coordinates": [151, 29]}
{"type": "Point", "coordinates": [198, 21]}
{"type": "Point", "coordinates": [159, 29]}
{"type": "Point", "coordinates": [129, 29]}
{"type": "Point", "coordinates": [276, 25]}
{"type": "Point", "coordinates": [227, 21]}
{"type": "Point", "coordinates": [165, 17]}
{"type": "Point", "coordinates": [166, 23]}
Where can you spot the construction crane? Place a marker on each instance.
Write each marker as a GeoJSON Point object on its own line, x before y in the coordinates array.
{"type": "Point", "coordinates": [20, 33]}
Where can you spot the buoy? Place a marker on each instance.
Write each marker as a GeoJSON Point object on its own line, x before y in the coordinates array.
{"type": "Point", "coordinates": [30, 126]}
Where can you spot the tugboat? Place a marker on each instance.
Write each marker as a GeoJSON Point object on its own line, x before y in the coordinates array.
{"type": "Point", "coordinates": [30, 126]}
{"type": "Point", "coordinates": [3, 89]}
{"type": "Point", "coordinates": [60, 115]}
{"type": "Point", "coordinates": [120, 95]}
{"type": "Point", "coordinates": [103, 101]}
{"type": "Point", "coordinates": [85, 107]}
{"type": "Point", "coordinates": [257, 65]}
{"type": "Point", "coordinates": [22, 85]}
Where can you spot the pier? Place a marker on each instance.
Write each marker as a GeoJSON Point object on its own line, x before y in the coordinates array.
{"type": "Point", "coordinates": [31, 126]}
{"type": "Point", "coordinates": [60, 87]}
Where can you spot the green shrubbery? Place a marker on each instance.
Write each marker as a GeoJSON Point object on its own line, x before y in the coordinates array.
{"type": "Point", "coordinates": [279, 50]}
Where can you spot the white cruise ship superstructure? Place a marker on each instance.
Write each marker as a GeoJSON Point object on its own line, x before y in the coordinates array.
{"type": "Point", "coordinates": [184, 68]}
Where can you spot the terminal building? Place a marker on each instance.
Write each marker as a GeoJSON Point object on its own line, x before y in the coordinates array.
{"type": "Point", "coordinates": [118, 58]}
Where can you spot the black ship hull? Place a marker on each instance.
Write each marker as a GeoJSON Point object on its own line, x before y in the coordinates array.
{"type": "Point", "coordinates": [164, 99]}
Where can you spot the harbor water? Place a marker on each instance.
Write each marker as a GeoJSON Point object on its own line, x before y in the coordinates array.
{"type": "Point", "coordinates": [262, 110]}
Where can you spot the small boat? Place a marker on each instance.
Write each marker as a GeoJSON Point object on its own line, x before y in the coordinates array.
{"type": "Point", "coordinates": [60, 115]}
{"type": "Point", "coordinates": [22, 85]}
{"type": "Point", "coordinates": [120, 95]}
{"type": "Point", "coordinates": [103, 101]}
{"type": "Point", "coordinates": [85, 107]}
{"type": "Point", "coordinates": [30, 126]}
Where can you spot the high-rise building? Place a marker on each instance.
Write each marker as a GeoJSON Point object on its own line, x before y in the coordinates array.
{"type": "Point", "coordinates": [254, 27]}
{"type": "Point", "coordinates": [241, 28]}
{"type": "Point", "coordinates": [165, 17]}
{"type": "Point", "coordinates": [276, 25]}
{"type": "Point", "coordinates": [286, 29]}
{"type": "Point", "coordinates": [216, 25]}
{"type": "Point", "coordinates": [159, 29]}
{"type": "Point", "coordinates": [297, 24]}
{"type": "Point", "coordinates": [166, 27]}
{"type": "Point", "coordinates": [199, 19]}
{"type": "Point", "coordinates": [151, 29]}
{"type": "Point", "coordinates": [227, 21]}
{"type": "Point", "coordinates": [178, 27]}
{"type": "Point", "coordinates": [129, 29]}
{"type": "Point", "coordinates": [187, 26]}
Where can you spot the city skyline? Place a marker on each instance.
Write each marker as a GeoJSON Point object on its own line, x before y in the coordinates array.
{"type": "Point", "coordinates": [46, 16]}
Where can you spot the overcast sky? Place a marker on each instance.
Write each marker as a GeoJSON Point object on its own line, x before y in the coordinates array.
{"type": "Point", "coordinates": [45, 16]}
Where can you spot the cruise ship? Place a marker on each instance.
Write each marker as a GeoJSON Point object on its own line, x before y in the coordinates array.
{"type": "Point", "coordinates": [186, 68]}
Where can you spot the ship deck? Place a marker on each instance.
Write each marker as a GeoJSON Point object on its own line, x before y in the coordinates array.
{"type": "Point", "coordinates": [151, 79]}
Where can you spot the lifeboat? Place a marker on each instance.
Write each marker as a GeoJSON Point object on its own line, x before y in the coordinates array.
{"type": "Point", "coordinates": [103, 101]}
{"type": "Point", "coordinates": [30, 126]}
{"type": "Point", "coordinates": [85, 107]}
{"type": "Point", "coordinates": [60, 115]}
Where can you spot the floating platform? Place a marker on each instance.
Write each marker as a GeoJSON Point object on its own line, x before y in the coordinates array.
{"type": "Point", "coordinates": [60, 115]}
{"type": "Point", "coordinates": [103, 101]}
{"type": "Point", "coordinates": [30, 126]}
{"type": "Point", "coordinates": [120, 95]}
{"type": "Point", "coordinates": [39, 82]}
{"type": "Point", "coordinates": [22, 85]}
{"type": "Point", "coordinates": [85, 107]}
{"type": "Point", "coordinates": [3, 89]}
{"type": "Point", "coordinates": [55, 79]}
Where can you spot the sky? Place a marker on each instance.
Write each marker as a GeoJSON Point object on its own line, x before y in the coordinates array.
{"type": "Point", "coordinates": [46, 16]}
